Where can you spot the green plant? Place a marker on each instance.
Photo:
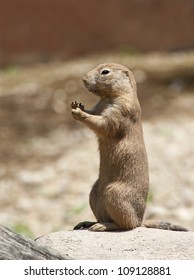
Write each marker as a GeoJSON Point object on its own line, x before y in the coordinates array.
{"type": "Point", "coordinates": [22, 229]}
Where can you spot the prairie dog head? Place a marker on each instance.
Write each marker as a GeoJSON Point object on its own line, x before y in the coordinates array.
{"type": "Point", "coordinates": [110, 80]}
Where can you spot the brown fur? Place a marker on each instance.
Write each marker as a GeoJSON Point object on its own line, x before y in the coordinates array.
{"type": "Point", "coordinates": [118, 197]}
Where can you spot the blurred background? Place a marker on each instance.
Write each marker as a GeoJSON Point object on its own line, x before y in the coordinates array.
{"type": "Point", "coordinates": [48, 161]}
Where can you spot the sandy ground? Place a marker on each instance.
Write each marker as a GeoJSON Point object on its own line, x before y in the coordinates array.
{"type": "Point", "coordinates": [48, 162]}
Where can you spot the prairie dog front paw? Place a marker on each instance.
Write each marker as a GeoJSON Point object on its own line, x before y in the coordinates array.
{"type": "Point", "coordinates": [75, 105]}
{"type": "Point", "coordinates": [78, 114]}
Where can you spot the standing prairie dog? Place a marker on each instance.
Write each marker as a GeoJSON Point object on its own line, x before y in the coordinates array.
{"type": "Point", "coordinates": [118, 198]}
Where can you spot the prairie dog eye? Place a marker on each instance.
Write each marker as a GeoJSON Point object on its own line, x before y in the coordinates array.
{"type": "Point", "coordinates": [105, 72]}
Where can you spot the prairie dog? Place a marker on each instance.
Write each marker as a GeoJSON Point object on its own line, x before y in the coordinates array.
{"type": "Point", "coordinates": [118, 197]}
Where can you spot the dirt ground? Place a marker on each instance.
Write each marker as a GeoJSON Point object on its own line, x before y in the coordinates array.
{"type": "Point", "coordinates": [48, 161]}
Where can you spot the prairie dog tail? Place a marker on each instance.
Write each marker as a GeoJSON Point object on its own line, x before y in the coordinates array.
{"type": "Point", "coordinates": [162, 225]}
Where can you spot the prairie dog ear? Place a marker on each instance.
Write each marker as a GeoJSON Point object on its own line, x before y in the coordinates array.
{"type": "Point", "coordinates": [132, 81]}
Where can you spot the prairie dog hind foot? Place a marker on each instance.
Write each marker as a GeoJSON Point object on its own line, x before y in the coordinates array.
{"type": "Point", "coordinates": [84, 225]}
{"type": "Point", "coordinates": [95, 226]}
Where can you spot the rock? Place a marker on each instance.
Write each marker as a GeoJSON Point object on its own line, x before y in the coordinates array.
{"type": "Point", "coordinates": [139, 244]}
{"type": "Point", "coordinates": [14, 246]}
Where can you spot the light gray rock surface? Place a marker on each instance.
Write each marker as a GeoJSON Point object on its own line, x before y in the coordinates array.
{"type": "Point", "coordinates": [138, 244]}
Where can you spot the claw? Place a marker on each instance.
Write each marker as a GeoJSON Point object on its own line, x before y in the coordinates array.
{"type": "Point", "coordinates": [81, 106]}
{"type": "Point", "coordinates": [75, 105]}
